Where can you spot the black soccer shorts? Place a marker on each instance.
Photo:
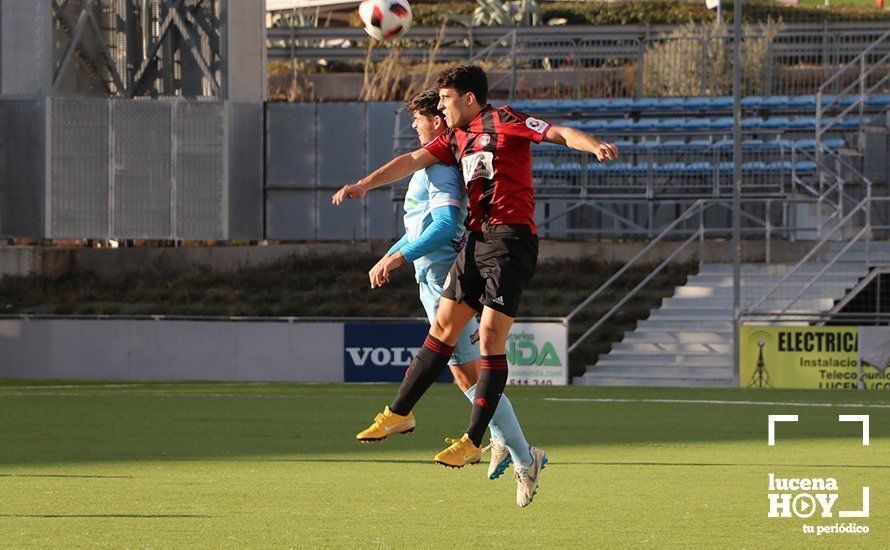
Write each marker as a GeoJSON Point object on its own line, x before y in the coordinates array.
{"type": "Point", "coordinates": [494, 268]}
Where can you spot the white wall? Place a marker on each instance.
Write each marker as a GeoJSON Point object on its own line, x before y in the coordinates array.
{"type": "Point", "coordinates": [171, 350]}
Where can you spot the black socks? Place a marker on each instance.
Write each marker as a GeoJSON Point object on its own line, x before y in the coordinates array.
{"type": "Point", "coordinates": [425, 369]}
{"type": "Point", "coordinates": [492, 381]}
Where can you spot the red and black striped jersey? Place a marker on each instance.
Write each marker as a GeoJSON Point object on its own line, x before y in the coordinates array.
{"type": "Point", "coordinates": [494, 154]}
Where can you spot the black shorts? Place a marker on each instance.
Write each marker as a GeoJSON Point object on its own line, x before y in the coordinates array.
{"type": "Point", "coordinates": [494, 268]}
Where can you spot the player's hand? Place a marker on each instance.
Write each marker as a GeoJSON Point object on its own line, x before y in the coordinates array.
{"type": "Point", "coordinates": [390, 264]}
{"type": "Point", "coordinates": [351, 191]}
{"type": "Point", "coordinates": [605, 151]}
{"type": "Point", "coordinates": [373, 273]}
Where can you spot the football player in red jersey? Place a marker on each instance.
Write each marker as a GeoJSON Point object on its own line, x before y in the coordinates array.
{"type": "Point", "coordinates": [491, 145]}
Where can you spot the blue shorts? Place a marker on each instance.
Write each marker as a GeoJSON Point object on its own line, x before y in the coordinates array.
{"type": "Point", "coordinates": [467, 347]}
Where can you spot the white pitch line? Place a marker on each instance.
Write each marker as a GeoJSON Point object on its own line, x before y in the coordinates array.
{"type": "Point", "coordinates": [718, 402]}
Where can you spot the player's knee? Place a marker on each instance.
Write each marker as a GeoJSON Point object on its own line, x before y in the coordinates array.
{"type": "Point", "coordinates": [443, 330]}
{"type": "Point", "coordinates": [491, 340]}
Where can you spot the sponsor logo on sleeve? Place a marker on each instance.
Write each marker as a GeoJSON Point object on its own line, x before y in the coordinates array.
{"type": "Point", "coordinates": [536, 124]}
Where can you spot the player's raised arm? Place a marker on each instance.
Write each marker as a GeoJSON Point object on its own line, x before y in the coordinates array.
{"type": "Point", "coordinates": [581, 141]}
{"type": "Point", "coordinates": [394, 170]}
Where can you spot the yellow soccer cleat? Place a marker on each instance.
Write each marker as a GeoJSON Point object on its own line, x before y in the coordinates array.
{"type": "Point", "coordinates": [385, 424]}
{"type": "Point", "coordinates": [460, 453]}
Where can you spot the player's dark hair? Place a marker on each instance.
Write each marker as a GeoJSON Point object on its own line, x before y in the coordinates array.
{"type": "Point", "coordinates": [426, 103]}
{"type": "Point", "coordinates": [465, 78]}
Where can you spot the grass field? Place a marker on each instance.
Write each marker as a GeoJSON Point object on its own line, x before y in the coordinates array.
{"type": "Point", "coordinates": [271, 466]}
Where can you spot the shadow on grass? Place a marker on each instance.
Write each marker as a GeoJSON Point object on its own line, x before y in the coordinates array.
{"type": "Point", "coordinates": [294, 423]}
{"type": "Point", "coordinates": [105, 516]}
{"type": "Point", "coordinates": [67, 475]}
{"type": "Point", "coordinates": [550, 462]}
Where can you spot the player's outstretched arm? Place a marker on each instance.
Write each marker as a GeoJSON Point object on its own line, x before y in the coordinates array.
{"type": "Point", "coordinates": [394, 170]}
{"type": "Point", "coordinates": [581, 141]}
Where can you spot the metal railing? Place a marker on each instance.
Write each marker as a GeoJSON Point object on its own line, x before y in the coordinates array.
{"type": "Point", "coordinates": [844, 222]}
{"type": "Point", "coordinates": [617, 275]}
{"type": "Point", "coordinates": [790, 230]}
{"type": "Point", "coordinates": [597, 61]}
{"type": "Point", "coordinates": [862, 68]}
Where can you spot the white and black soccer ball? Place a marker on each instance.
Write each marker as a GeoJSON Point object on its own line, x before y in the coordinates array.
{"type": "Point", "coordinates": [385, 19]}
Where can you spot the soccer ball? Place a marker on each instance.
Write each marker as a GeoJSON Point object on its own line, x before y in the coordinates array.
{"type": "Point", "coordinates": [385, 19]}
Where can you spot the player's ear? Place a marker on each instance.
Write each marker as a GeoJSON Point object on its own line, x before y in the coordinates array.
{"type": "Point", "coordinates": [438, 122]}
{"type": "Point", "coordinates": [471, 98]}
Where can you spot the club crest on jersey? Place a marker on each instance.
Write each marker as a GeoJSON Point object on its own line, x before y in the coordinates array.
{"type": "Point", "coordinates": [535, 124]}
{"type": "Point", "coordinates": [484, 140]}
{"type": "Point", "coordinates": [459, 244]}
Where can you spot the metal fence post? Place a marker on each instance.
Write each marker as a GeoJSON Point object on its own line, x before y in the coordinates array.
{"type": "Point", "coordinates": [513, 66]}
{"type": "Point", "coordinates": [768, 78]}
{"type": "Point", "coordinates": [640, 64]}
{"type": "Point", "coordinates": [704, 67]}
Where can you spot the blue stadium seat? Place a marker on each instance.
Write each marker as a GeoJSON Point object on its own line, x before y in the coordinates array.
{"type": "Point", "coordinates": [802, 122]}
{"type": "Point", "coordinates": [853, 122]}
{"type": "Point", "coordinates": [774, 122]}
{"type": "Point", "coordinates": [775, 102]}
{"type": "Point", "coordinates": [720, 103]}
{"type": "Point", "coordinates": [594, 124]}
{"type": "Point", "coordinates": [621, 104]}
{"type": "Point", "coordinates": [695, 123]}
{"type": "Point", "coordinates": [669, 168]}
{"type": "Point", "coordinates": [646, 124]}
{"type": "Point", "coordinates": [670, 124]}
{"type": "Point", "coordinates": [567, 168]}
{"type": "Point", "coordinates": [779, 166]}
{"type": "Point", "coordinates": [778, 144]}
{"type": "Point", "coordinates": [697, 103]}
{"type": "Point", "coordinates": [753, 122]}
{"type": "Point", "coordinates": [542, 167]}
{"type": "Point", "coordinates": [699, 144]}
{"type": "Point", "coordinates": [802, 101]}
{"type": "Point", "coordinates": [751, 102]}
{"type": "Point", "coordinates": [805, 166]}
{"type": "Point", "coordinates": [672, 144]}
{"type": "Point", "coordinates": [721, 123]}
{"type": "Point", "coordinates": [620, 124]}
{"type": "Point", "coordinates": [617, 167]}
{"type": "Point", "coordinates": [698, 168]}
{"type": "Point", "coordinates": [646, 103]}
{"type": "Point", "coordinates": [878, 100]}
{"type": "Point", "coordinates": [670, 103]}
{"type": "Point", "coordinates": [754, 166]}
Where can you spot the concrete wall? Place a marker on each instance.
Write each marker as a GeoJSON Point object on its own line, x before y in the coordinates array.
{"type": "Point", "coordinates": [171, 350]}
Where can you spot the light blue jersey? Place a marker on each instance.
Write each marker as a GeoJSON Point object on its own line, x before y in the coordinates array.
{"type": "Point", "coordinates": [434, 187]}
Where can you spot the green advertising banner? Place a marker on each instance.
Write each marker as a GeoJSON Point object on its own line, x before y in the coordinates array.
{"type": "Point", "coordinates": [805, 357]}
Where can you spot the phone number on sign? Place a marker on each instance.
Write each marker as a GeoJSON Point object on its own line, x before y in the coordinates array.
{"type": "Point", "coordinates": [529, 382]}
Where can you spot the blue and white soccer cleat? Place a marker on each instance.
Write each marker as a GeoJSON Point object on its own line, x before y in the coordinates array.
{"type": "Point", "coordinates": [500, 458]}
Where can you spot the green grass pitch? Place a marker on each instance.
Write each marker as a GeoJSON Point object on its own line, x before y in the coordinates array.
{"type": "Point", "coordinates": [276, 466]}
